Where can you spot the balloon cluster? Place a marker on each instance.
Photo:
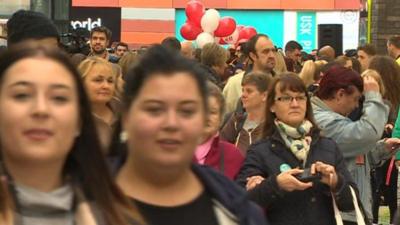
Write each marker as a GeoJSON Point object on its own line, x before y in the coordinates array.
{"type": "Point", "coordinates": [206, 26]}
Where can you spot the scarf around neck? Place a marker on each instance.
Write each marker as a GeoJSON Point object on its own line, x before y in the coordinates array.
{"type": "Point", "coordinates": [297, 139]}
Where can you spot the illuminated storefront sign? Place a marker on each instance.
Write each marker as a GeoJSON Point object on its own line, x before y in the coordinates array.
{"type": "Point", "coordinates": [88, 17]}
{"type": "Point", "coordinates": [306, 29]}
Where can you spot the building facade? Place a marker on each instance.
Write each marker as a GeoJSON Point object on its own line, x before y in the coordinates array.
{"type": "Point", "coordinates": [148, 22]}
{"type": "Point", "coordinates": [140, 22]}
{"type": "Point", "coordinates": [385, 22]}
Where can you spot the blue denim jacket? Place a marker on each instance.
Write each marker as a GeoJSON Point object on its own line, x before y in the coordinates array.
{"type": "Point", "coordinates": [355, 138]}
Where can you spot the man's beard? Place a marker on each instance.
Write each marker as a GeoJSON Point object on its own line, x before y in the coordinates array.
{"type": "Point", "coordinates": [99, 52]}
{"type": "Point", "coordinates": [269, 66]}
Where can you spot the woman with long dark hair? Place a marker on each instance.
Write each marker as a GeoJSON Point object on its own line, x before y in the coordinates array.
{"type": "Point", "coordinates": [52, 169]}
{"type": "Point", "coordinates": [384, 178]}
{"type": "Point", "coordinates": [389, 71]}
{"type": "Point", "coordinates": [164, 117]}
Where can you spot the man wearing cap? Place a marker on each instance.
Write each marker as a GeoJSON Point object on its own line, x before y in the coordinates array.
{"type": "Point", "coordinates": [25, 25]}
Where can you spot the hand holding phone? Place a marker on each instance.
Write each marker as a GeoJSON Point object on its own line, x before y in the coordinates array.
{"type": "Point", "coordinates": [287, 181]}
{"type": "Point", "coordinates": [327, 173]}
{"type": "Point", "coordinates": [306, 176]}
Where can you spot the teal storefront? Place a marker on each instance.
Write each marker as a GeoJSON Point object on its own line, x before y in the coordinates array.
{"type": "Point", "coordinates": [266, 22]}
{"type": "Point", "coordinates": [283, 26]}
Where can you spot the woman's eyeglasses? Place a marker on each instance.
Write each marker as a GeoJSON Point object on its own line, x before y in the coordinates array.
{"type": "Point", "coordinates": [289, 99]}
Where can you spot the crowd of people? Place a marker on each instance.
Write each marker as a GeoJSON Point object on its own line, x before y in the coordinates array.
{"type": "Point", "coordinates": [173, 134]}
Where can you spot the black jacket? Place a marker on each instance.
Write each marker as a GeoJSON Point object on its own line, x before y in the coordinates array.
{"type": "Point", "coordinates": [232, 197]}
{"type": "Point", "coordinates": [308, 207]}
{"type": "Point", "coordinates": [211, 75]}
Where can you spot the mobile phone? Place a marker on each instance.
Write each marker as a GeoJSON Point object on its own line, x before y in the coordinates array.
{"type": "Point", "coordinates": [306, 176]}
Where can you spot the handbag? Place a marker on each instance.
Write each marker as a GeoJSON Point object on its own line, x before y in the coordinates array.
{"type": "Point", "coordinates": [357, 209]}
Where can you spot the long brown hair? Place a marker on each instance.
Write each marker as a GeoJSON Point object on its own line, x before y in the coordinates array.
{"type": "Point", "coordinates": [286, 81]}
{"type": "Point", "coordinates": [85, 164]}
{"type": "Point", "coordinates": [6, 201]}
{"type": "Point", "coordinates": [390, 74]}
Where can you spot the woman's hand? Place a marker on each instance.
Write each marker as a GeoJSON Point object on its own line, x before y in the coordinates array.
{"type": "Point", "coordinates": [253, 181]}
{"type": "Point", "coordinates": [370, 84]}
{"type": "Point", "coordinates": [392, 144]}
{"type": "Point", "coordinates": [287, 182]}
{"type": "Point", "coordinates": [328, 173]}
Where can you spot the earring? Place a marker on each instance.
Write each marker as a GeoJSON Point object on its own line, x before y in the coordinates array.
{"type": "Point", "coordinates": [77, 133]}
{"type": "Point", "coordinates": [199, 141]}
{"type": "Point", "coordinates": [123, 136]}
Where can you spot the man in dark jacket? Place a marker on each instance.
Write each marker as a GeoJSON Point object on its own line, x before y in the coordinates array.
{"type": "Point", "coordinates": [293, 56]}
{"type": "Point", "coordinates": [99, 40]}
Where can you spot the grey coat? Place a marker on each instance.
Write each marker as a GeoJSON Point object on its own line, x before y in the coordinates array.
{"type": "Point", "coordinates": [357, 138]}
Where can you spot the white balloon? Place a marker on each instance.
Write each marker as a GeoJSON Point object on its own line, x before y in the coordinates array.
{"type": "Point", "coordinates": [233, 38]}
{"type": "Point", "coordinates": [210, 21]}
{"type": "Point", "coordinates": [204, 38]}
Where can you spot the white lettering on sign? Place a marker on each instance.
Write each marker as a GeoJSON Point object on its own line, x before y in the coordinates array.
{"type": "Point", "coordinates": [306, 25]}
{"type": "Point", "coordinates": [88, 24]}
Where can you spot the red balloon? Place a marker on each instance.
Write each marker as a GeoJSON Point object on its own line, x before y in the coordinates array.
{"type": "Point", "coordinates": [189, 31]}
{"type": "Point", "coordinates": [226, 27]}
{"type": "Point", "coordinates": [246, 33]}
{"type": "Point", "coordinates": [239, 27]}
{"type": "Point", "coordinates": [251, 31]}
{"type": "Point", "coordinates": [222, 42]}
{"type": "Point", "coordinates": [195, 11]}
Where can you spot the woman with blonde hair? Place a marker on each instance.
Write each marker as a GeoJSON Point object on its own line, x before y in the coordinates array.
{"type": "Point", "coordinates": [119, 81]}
{"type": "Point", "coordinates": [374, 74]}
{"type": "Point", "coordinates": [307, 73]}
{"type": "Point", "coordinates": [280, 66]}
{"type": "Point", "coordinates": [311, 73]}
{"type": "Point", "coordinates": [100, 80]}
{"type": "Point", "coordinates": [127, 61]}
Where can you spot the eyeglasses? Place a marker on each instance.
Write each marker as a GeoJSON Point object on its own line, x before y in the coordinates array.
{"type": "Point", "coordinates": [289, 99]}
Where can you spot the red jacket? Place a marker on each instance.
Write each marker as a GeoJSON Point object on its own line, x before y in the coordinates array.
{"type": "Point", "coordinates": [224, 157]}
